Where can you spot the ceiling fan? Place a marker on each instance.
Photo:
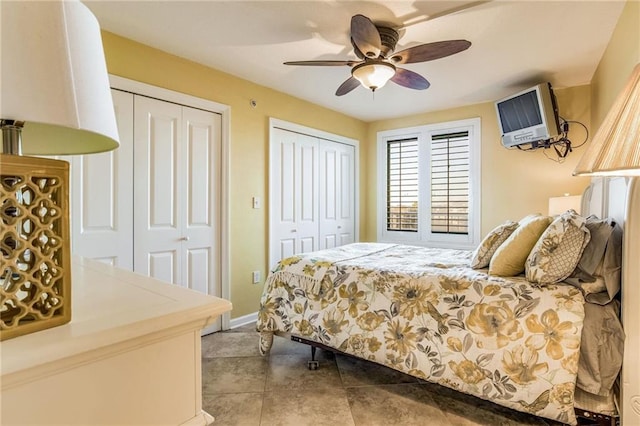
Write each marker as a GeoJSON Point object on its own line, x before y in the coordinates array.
{"type": "Point", "coordinates": [374, 46]}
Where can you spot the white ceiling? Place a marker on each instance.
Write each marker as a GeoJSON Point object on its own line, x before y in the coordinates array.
{"type": "Point", "coordinates": [515, 44]}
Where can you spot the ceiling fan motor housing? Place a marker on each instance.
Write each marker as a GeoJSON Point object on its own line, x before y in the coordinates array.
{"type": "Point", "coordinates": [389, 39]}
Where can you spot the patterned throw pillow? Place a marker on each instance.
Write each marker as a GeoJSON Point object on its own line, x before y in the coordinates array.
{"type": "Point", "coordinates": [510, 257]}
{"type": "Point", "coordinates": [482, 255]}
{"type": "Point", "coordinates": [558, 250]}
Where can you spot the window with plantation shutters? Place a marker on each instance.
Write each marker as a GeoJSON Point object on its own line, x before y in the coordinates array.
{"type": "Point", "coordinates": [450, 183]}
{"type": "Point", "coordinates": [402, 185]}
{"type": "Point", "coordinates": [429, 185]}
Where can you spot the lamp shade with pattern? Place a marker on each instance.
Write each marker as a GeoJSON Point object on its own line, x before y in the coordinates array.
{"type": "Point", "coordinates": [615, 148]}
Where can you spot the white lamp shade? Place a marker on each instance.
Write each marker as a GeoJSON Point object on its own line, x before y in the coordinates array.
{"type": "Point", "coordinates": [615, 149]}
{"type": "Point", "coordinates": [54, 78]}
{"type": "Point", "coordinates": [373, 75]}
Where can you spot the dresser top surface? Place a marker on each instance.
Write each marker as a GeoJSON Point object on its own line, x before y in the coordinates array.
{"type": "Point", "coordinates": [110, 306]}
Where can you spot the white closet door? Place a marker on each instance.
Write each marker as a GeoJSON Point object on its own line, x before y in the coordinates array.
{"type": "Point", "coordinates": [337, 194]}
{"type": "Point", "coordinates": [293, 194]}
{"type": "Point", "coordinates": [202, 143]}
{"type": "Point", "coordinates": [102, 195]}
{"type": "Point", "coordinates": [158, 211]}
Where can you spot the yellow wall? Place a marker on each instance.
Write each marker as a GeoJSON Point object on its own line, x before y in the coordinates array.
{"type": "Point", "coordinates": [621, 55]}
{"type": "Point", "coordinates": [514, 183]}
{"type": "Point", "coordinates": [248, 148]}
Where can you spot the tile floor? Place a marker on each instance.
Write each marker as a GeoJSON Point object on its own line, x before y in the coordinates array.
{"type": "Point", "coordinates": [240, 387]}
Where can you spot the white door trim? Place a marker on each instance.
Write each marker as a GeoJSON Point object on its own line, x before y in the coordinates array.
{"type": "Point", "coordinates": [144, 89]}
{"type": "Point", "coordinates": [275, 123]}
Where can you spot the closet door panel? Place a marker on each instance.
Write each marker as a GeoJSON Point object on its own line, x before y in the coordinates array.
{"type": "Point", "coordinates": [102, 194]}
{"type": "Point", "coordinates": [163, 265]}
{"type": "Point", "coordinates": [346, 189]}
{"type": "Point", "coordinates": [328, 241]}
{"type": "Point", "coordinates": [198, 269]}
{"type": "Point", "coordinates": [328, 195]}
{"type": "Point", "coordinates": [329, 173]}
{"type": "Point", "coordinates": [161, 151]}
{"type": "Point", "coordinates": [306, 194]}
{"type": "Point", "coordinates": [99, 210]}
{"type": "Point", "coordinates": [307, 173]}
{"type": "Point", "coordinates": [337, 194]}
{"type": "Point", "coordinates": [293, 195]}
{"type": "Point", "coordinates": [307, 244]}
{"type": "Point", "coordinates": [157, 213]}
{"type": "Point", "coordinates": [199, 180]}
{"type": "Point", "coordinates": [286, 182]}
{"type": "Point", "coordinates": [201, 194]}
{"type": "Point", "coordinates": [287, 249]}
{"type": "Point", "coordinates": [282, 198]}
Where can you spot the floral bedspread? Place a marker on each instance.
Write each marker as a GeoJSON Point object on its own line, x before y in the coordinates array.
{"type": "Point", "coordinates": [425, 312]}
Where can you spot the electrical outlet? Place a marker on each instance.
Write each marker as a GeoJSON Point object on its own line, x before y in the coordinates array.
{"type": "Point", "coordinates": [256, 277]}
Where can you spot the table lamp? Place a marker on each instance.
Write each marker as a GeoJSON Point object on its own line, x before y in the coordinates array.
{"type": "Point", "coordinates": [55, 99]}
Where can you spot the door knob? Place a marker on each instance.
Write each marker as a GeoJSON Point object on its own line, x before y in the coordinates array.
{"type": "Point", "coordinates": [184, 239]}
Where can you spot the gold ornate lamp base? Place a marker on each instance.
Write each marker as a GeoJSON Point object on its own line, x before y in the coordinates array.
{"type": "Point", "coordinates": [35, 277]}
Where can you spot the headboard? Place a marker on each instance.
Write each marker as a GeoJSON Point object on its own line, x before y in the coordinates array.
{"type": "Point", "coordinates": [619, 198]}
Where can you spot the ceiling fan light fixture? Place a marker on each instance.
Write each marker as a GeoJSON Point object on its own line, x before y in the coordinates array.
{"type": "Point", "coordinates": [373, 75]}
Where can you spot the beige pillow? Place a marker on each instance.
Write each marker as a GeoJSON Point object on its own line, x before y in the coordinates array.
{"type": "Point", "coordinates": [482, 255]}
{"type": "Point", "coordinates": [558, 251]}
{"type": "Point", "coordinates": [511, 256]}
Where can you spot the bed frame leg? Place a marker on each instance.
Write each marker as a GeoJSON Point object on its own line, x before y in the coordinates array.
{"type": "Point", "coordinates": [313, 364]}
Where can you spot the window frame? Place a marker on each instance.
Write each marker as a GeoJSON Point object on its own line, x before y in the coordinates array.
{"type": "Point", "coordinates": [424, 236]}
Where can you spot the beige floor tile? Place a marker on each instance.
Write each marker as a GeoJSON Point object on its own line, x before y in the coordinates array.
{"type": "Point", "coordinates": [242, 388]}
{"type": "Point", "coordinates": [232, 375]}
{"type": "Point", "coordinates": [389, 405]}
{"type": "Point", "coordinates": [234, 409]}
{"type": "Point", "coordinates": [308, 407]}
{"type": "Point", "coordinates": [291, 372]}
{"type": "Point", "coordinates": [357, 372]}
{"type": "Point", "coordinates": [228, 344]}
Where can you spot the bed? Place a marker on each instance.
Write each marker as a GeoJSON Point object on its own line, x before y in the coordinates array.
{"type": "Point", "coordinates": [425, 312]}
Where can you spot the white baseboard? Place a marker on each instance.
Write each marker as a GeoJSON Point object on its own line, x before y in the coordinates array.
{"type": "Point", "coordinates": [243, 320]}
{"type": "Point", "coordinates": [202, 419]}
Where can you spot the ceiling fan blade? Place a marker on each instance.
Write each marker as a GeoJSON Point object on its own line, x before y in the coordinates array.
{"type": "Point", "coordinates": [410, 79]}
{"type": "Point", "coordinates": [365, 36]}
{"type": "Point", "coordinates": [430, 51]}
{"type": "Point", "coordinates": [322, 63]}
{"type": "Point", "coordinates": [357, 51]}
{"type": "Point", "coordinates": [349, 84]}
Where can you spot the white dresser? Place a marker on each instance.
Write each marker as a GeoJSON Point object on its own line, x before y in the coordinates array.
{"type": "Point", "coordinates": [130, 355]}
